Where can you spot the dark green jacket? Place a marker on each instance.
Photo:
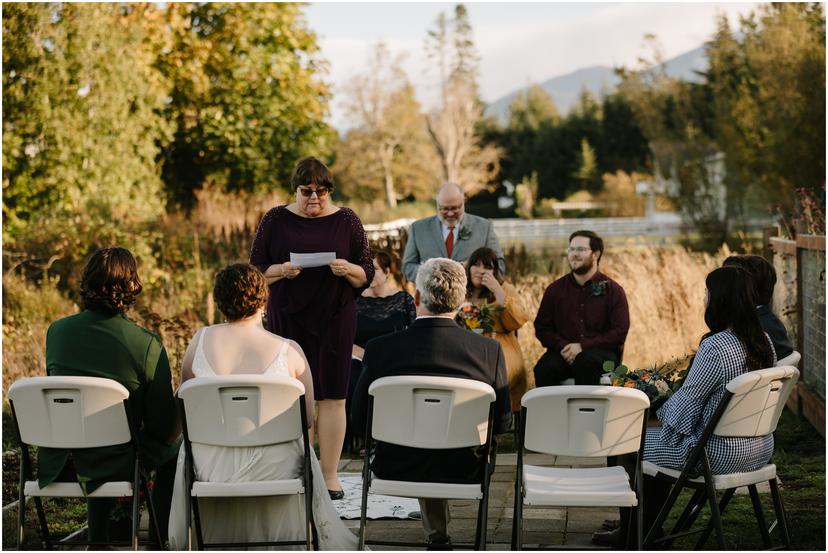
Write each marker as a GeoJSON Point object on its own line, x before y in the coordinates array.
{"type": "Point", "coordinates": [92, 343]}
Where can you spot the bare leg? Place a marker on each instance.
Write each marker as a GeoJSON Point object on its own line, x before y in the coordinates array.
{"type": "Point", "coordinates": [331, 434]}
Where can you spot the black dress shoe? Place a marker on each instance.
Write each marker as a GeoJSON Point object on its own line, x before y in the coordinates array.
{"type": "Point", "coordinates": [610, 524]}
{"type": "Point", "coordinates": [336, 494]}
{"type": "Point", "coordinates": [611, 538]}
{"type": "Point", "coordinates": [439, 544]}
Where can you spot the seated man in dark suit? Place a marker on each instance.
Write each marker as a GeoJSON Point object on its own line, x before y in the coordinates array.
{"type": "Point", "coordinates": [764, 280]}
{"type": "Point", "coordinates": [433, 345]}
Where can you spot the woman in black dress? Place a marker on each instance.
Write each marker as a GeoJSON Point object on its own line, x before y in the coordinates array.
{"type": "Point", "coordinates": [316, 306]}
{"type": "Point", "coordinates": [382, 309]}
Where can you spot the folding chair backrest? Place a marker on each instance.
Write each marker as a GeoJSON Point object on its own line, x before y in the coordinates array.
{"type": "Point", "coordinates": [584, 421]}
{"type": "Point", "coordinates": [758, 400]}
{"type": "Point", "coordinates": [70, 411]}
{"type": "Point", "coordinates": [791, 360]}
{"type": "Point", "coordinates": [431, 412]}
{"type": "Point", "coordinates": [242, 410]}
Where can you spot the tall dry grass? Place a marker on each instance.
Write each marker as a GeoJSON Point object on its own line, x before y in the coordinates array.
{"type": "Point", "coordinates": [665, 291]}
{"type": "Point", "coordinates": [664, 286]}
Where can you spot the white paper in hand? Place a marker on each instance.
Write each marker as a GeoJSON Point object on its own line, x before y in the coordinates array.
{"type": "Point", "coordinates": [308, 260]}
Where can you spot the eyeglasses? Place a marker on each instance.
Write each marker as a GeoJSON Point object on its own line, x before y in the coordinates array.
{"type": "Point", "coordinates": [321, 192]}
{"type": "Point", "coordinates": [579, 249]}
{"type": "Point", "coordinates": [449, 208]}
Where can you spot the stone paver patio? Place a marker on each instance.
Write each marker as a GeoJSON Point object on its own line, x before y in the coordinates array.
{"type": "Point", "coordinates": [553, 526]}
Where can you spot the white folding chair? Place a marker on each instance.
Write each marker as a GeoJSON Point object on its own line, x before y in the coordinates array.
{"type": "Point", "coordinates": [751, 406]}
{"type": "Point", "coordinates": [580, 421]}
{"type": "Point", "coordinates": [244, 411]}
{"type": "Point", "coordinates": [74, 412]}
{"type": "Point", "coordinates": [791, 360]}
{"type": "Point", "coordinates": [430, 412]}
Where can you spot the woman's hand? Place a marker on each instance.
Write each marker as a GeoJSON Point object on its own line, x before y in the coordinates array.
{"type": "Point", "coordinates": [357, 352]}
{"type": "Point", "coordinates": [340, 267]}
{"type": "Point", "coordinates": [354, 274]}
{"type": "Point", "coordinates": [490, 282]}
{"type": "Point", "coordinates": [289, 270]}
{"type": "Point", "coordinates": [278, 271]}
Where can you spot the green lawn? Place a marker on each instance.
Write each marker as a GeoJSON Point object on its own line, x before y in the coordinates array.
{"type": "Point", "coordinates": [800, 464]}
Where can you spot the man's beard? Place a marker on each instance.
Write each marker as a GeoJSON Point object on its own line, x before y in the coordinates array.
{"type": "Point", "coordinates": [586, 266]}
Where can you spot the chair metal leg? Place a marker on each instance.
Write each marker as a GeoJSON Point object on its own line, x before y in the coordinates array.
{"type": "Point", "coordinates": [715, 515]}
{"type": "Point", "coordinates": [665, 510]}
{"type": "Point", "coordinates": [690, 512]}
{"type": "Point", "coordinates": [136, 502]}
{"type": "Point", "coordinates": [709, 528]}
{"type": "Point", "coordinates": [152, 515]}
{"type": "Point", "coordinates": [363, 523]}
{"type": "Point", "coordinates": [308, 520]}
{"type": "Point", "coordinates": [483, 515]}
{"type": "Point", "coordinates": [517, 516]}
{"type": "Point", "coordinates": [479, 525]}
{"type": "Point", "coordinates": [779, 509]}
{"type": "Point", "coordinates": [760, 516]}
{"type": "Point", "coordinates": [188, 514]}
{"type": "Point", "coordinates": [44, 527]}
{"type": "Point", "coordinates": [21, 509]}
{"type": "Point", "coordinates": [639, 523]}
{"type": "Point", "coordinates": [197, 517]}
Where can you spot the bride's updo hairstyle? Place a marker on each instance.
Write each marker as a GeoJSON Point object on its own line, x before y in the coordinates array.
{"type": "Point", "coordinates": [240, 290]}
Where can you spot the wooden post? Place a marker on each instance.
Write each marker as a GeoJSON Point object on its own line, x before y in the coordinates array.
{"type": "Point", "coordinates": [767, 250]}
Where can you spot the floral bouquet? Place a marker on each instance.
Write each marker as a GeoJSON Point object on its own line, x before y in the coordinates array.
{"type": "Point", "coordinates": [655, 381]}
{"type": "Point", "coordinates": [477, 318]}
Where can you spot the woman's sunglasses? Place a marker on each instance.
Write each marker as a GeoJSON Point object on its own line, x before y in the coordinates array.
{"type": "Point", "coordinates": [321, 192]}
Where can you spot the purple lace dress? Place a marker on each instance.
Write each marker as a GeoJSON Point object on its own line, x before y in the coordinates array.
{"type": "Point", "coordinates": [317, 308]}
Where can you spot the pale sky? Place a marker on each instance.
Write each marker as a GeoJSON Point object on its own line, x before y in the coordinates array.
{"type": "Point", "coordinates": [518, 43]}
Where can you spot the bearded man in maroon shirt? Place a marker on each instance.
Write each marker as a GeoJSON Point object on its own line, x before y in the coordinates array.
{"type": "Point", "coordinates": [583, 318]}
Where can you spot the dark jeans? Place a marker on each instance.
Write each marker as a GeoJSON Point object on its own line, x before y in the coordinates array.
{"type": "Point", "coordinates": [588, 367]}
{"type": "Point", "coordinates": [99, 510]}
{"type": "Point", "coordinates": [655, 494]}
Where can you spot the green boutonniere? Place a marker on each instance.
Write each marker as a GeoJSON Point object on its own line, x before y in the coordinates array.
{"type": "Point", "coordinates": [599, 288]}
{"type": "Point", "coordinates": [464, 233]}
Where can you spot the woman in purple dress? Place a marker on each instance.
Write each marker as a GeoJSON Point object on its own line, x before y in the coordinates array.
{"type": "Point", "coordinates": [316, 306]}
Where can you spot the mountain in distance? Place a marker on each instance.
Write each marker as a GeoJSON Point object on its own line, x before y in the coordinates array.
{"type": "Point", "coordinates": [566, 89]}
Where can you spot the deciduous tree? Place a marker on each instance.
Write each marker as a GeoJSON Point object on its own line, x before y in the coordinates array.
{"type": "Point", "coordinates": [387, 149]}
{"type": "Point", "coordinates": [453, 125]}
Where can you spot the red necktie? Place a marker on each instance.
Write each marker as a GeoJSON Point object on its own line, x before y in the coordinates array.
{"type": "Point", "coordinates": [450, 242]}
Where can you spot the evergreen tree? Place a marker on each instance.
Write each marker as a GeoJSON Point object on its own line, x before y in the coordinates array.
{"type": "Point", "coordinates": [466, 60]}
{"type": "Point", "coordinates": [587, 173]}
{"type": "Point", "coordinates": [532, 109]}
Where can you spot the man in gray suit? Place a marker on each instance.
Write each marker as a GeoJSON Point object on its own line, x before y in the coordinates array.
{"type": "Point", "coordinates": [452, 233]}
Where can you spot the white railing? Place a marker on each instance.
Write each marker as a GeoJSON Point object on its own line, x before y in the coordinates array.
{"type": "Point", "coordinates": [537, 231]}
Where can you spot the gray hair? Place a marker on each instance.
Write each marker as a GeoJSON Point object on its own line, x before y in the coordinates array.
{"type": "Point", "coordinates": [442, 285]}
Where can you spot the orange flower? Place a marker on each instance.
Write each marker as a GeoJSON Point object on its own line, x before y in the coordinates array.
{"type": "Point", "coordinates": [629, 384]}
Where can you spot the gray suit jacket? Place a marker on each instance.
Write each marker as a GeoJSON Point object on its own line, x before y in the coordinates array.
{"type": "Point", "coordinates": [425, 240]}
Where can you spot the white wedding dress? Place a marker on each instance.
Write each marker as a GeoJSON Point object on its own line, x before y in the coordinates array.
{"type": "Point", "coordinates": [255, 519]}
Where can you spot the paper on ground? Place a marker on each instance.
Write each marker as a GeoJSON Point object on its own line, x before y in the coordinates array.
{"type": "Point", "coordinates": [307, 260]}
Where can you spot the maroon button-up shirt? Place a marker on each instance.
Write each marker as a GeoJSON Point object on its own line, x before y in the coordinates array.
{"type": "Point", "coordinates": [596, 315]}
